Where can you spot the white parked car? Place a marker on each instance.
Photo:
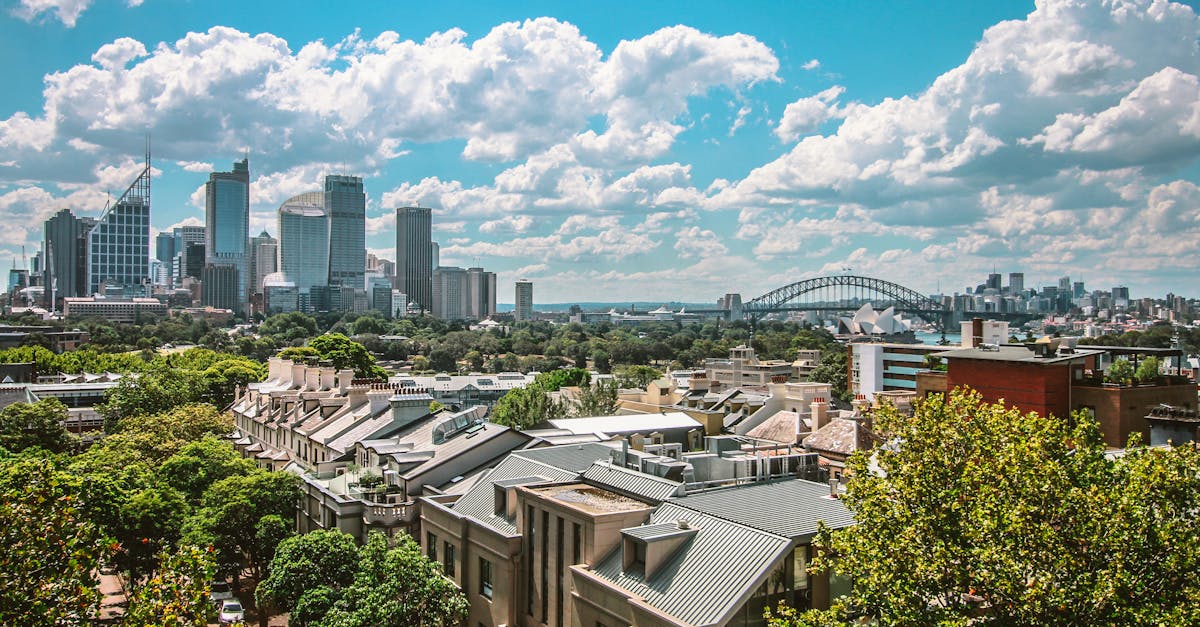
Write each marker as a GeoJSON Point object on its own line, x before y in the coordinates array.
{"type": "Point", "coordinates": [220, 592]}
{"type": "Point", "coordinates": [231, 612]}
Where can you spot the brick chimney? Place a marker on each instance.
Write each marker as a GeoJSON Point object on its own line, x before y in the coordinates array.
{"type": "Point", "coordinates": [820, 413]}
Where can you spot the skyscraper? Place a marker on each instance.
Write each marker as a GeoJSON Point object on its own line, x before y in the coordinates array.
{"type": "Point", "coordinates": [481, 293]}
{"type": "Point", "coordinates": [227, 219]}
{"type": "Point", "coordinates": [65, 248]}
{"type": "Point", "coordinates": [264, 259]}
{"type": "Point", "coordinates": [119, 244]}
{"type": "Point", "coordinates": [189, 241]}
{"type": "Point", "coordinates": [304, 242]}
{"type": "Point", "coordinates": [993, 281]}
{"type": "Point", "coordinates": [219, 285]}
{"type": "Point", "coordinates": [346, 207]}
{"type": "Point", "coordinates": [1016, 282]}
{"type": "Point", "coordinates": [523, 309]}
{"type": "Point", "coordinates": [414, 254]}
{"type": "Point", "coordinates": [450, 293]}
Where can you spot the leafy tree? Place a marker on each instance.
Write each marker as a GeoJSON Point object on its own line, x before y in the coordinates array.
{"type": "Point", "coordinates": [52, 552]}
{"type": "Point", "coordinates": [178, 593]}
{"type": "Point", "coordinates": [154, 438]}
{"type": "Point", "coordinates": [442, 361]}
{"type": "Point", "coordinates": [289, 327]}
{"type": "Point", "coordinates": [302, 565]}
{"type": "Point", "coordinates": [1120, 371]}
{"type": "Point", "coordinates": [638, 377]}
{"type": "Point", "coordinates": [269, 532]}
{"type": "Point", "coordinates": [201, 463]}
{"type": "Point", "coordinates": [522, 408]}
{"type": "Point", "coordinates": [231, 511]}
{"type": "Point", "coordinates": [420, 363]}
{"type": "Point", "coordinates": [40, 425]}
{"type": "Point", "coordinates": [1147, 370]}
{"type": "Point", "coordinates": [602, 360]}
{"type": "Point", "coordinates": [346, 353]}
{"type": "Point", "coordinates": [598, 399]}
{"type": "Point", "coordinates": [474, 360]}
{"type": "Point", "coordinates": [977, 514]}
{"type": "Point", "coordinates": [152, 392]}
{"type": "Point", "coordinates": [833, 370]}
{"type": "Point", "coordinates": [224, 377]}
{"type": "Point", "coordinates": [397, 586]}
{"type": "Point", "coordinates": [151, 519]}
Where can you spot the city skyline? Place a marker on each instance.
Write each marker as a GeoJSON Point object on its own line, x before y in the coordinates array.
{"type": "Point", "coordinates": [605, 156]}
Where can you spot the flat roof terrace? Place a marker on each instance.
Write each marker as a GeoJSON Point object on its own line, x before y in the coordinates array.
{"type": "Point", "coordinates": [589, 499]}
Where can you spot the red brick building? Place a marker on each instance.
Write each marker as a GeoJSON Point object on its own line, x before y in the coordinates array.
{"type": "Point", "coordinates": [1057, 383]}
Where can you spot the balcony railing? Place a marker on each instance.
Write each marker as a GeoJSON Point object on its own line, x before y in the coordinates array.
{"type": "Point", "coordinates": [389, 515]}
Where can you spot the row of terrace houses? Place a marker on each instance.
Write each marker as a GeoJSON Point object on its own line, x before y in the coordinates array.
{"type": "Point", "coordinates": [365, 449]}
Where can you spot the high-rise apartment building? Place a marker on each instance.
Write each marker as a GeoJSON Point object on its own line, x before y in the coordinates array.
{"type": "Point", "coordinates": [523, 309]}
{"type": "Point", "coordinates": [481, 293]}
{"type": "Point", "coordinates": [164, 248]}
{"type": "Point", "coordinates": [65, 248]}
{"type": "Point", "coordinates": [450, 293]}
{"type": "Point", "coordinates": [1016, 282]}
{"type": "Point", "coordinates": [1120, 297]}
{"type": "Point", "coordinates": [304, 241]}
{"type": "Point", "coordinates": [414, 254]}
{"type": "Point", "coordinates": [346, 207]}
{"type": "Point", "coordinates": [227, 219]}
{"type": "Point", "coordinates": [264, 259]}
{"type": "Point", "coordinates": [118, 246]}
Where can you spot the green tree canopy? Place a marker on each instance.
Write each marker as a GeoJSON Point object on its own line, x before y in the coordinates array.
{"type": "Point", "coordinates": [1120, 371]}
{"type": "Point", "coordinates": [24, 425]}
{"type": "Point", "coordinates": [52, 552]}
{"type": "Point", "coordinates": [232, 509]}
{"type": "Point", "coordinates": [397, 586]}
{"type": "Point", "coordinates": [346, 353]}
{"type": "Point", "coordinates": [304, 564]}
{"type": "Point", "coordinates": [637, 377]}
{"type": "Point", "coordinates": [177, 593]}
{"type": "Point", "coordinates": [834, 371]}
{"type": "Point", "coordinates": [1147, 370]}
{"type": "Point", "coordinates": [974, 513]}
{"type": "Point", "coordinates": [201, 463]}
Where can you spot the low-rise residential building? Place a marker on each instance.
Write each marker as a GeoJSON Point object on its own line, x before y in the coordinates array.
{"type": "Point", "coordinates": [582, 534]}
{"type": "Point", "coordinates": [1050, 379]}
{"type": "Point", "coordinates": [365, 449]}
{"type": "Point", "coordinates": [743, 368]}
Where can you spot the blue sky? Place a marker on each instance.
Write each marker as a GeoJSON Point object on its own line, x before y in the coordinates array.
{"type": "Point", "coordinates": [642, 151]}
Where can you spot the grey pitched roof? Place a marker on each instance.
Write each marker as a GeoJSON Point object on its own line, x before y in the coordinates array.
{"type": "Point", "coordinates": [709, 576]}
{"type": "Point", "coordinates": [788, 508]}
{"type": "Point", "coordinates": [556, 463]}
{"type": "Point", "coordinates": [636, 484]}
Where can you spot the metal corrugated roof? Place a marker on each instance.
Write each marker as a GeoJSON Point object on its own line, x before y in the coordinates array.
{"type": "Point", "coordinates": [632, 482]}
{"type": "Point", "coordinates": [709, 576]}
{"type": "Point", "coordinates": [656, 531]}
{"type": "Point", "coordinates": [556, 463]}
{"type": "Point", "coordinates": [788, 508]}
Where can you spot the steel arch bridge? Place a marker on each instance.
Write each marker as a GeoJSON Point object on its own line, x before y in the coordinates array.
{"type": "Point", "coordinates": [847, 293]}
